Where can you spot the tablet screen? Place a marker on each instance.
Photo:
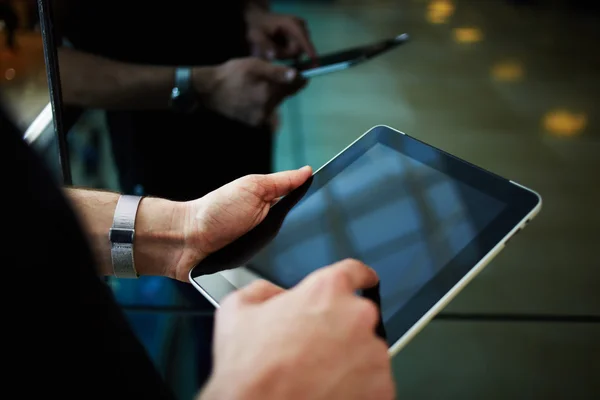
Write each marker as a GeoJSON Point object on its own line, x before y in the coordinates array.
{"type": "Point", "coordinates": [402, 217]}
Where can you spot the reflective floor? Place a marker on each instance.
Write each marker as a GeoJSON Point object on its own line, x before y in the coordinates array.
{"type": "Point", "coordinates": [515, 90]}
{"type": "Point", "coordinates": [513, 87]}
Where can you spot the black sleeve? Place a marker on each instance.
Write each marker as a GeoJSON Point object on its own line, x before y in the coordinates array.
{"type": "Point", "coordinates": [65, 337]}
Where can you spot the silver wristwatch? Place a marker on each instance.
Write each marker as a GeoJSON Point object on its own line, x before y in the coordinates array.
{"type": "Point", "coordinates": [121, 236]}
{"type": "Point", "coordinates": [183, 97]}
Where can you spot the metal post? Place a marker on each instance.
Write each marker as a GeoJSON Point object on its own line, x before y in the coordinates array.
{"type": "Point", "coordinates": [54, 86]}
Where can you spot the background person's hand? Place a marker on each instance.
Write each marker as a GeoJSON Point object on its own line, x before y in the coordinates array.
{"type": "Point", "coordinates": [222, 216]}
{"type": "Point", "coordinates": [313, 342]}
{"type": "Point", "coordinates": [250, 89]}
{"type": "Point", "coordinates": [278, 36]}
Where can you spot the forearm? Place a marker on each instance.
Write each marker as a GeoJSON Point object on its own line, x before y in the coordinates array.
{"type": "Point", "coordinates": [96, 82]}
{"type": "Point", "coordinates": [158, 241]}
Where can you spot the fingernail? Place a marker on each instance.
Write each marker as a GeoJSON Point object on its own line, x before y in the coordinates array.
{"type": "Point", "coordinates": [305, 168]}
{"type": "Point", "coordinates": [290, 75]}
{"type": "Point", "coordinates": [270, 54]}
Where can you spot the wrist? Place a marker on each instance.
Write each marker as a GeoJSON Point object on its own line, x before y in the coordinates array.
{"type": "Point", "coordinates": [159, 236]}
{"type": "Point", "coordinates": [204, 81]}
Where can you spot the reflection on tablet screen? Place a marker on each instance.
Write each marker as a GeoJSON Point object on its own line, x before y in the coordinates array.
{"type": "Point", "coordinates": [398, 215]}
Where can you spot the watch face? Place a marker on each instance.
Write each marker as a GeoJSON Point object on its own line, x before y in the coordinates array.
{"type": "Point", "coordinates": [183, 102]}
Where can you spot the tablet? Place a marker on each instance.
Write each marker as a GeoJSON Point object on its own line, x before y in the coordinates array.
{"type": "Point", "coordinates": [425, 220]}
{"type": "Point", "coordinates": [347, 58]}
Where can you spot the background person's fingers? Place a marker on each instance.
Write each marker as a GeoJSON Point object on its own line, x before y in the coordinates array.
{"type": "Point", "coordinates": [262, 46]}
{"type": "Point", "coordinates": [275, 73]}
{"type": "Point", "coordinates": [296, 86]}
{"type": "Point", "coordinates": [259, 291]}
{"type": "Point", "coordinates": [280, 92]}
{"type": "Point", "coordinates": [297, 35]}
{"type": "Point", "coordinates": [290, 50]}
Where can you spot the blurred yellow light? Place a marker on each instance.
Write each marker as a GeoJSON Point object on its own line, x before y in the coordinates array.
{"type": "Point", "coordinates": [439, 11]}
{"type": "Point", "coordinates": [564, 123]}
{"type": "Point", "coordinates": [9, 74]}
{"type": "Point", "coordinates": [508, 71]}
{"type": "Point", "coordinates": [468, 35]}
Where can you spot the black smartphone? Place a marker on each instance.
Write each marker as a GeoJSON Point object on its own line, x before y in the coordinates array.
{"type": "Point", "coordinates": [345, 59]}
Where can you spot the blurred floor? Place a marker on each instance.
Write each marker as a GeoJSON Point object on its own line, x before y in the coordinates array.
{"type": "Point", "coordinates": [512, 89]}
{"type": "Point", "coordinates": [511, 86]}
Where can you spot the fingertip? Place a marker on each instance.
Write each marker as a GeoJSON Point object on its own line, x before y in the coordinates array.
{"type": "Point", "coordinates": [370, 278]}
{"type": "Point", "coordinates": [355, 274]}
{"type": "Point", "coordinates": [306, 169]}
{"type": "Point", "coordinates": [290, 75]}
{"type": "Point", "coordinates": [374, 277]}
{"type": "Point", "coordinates": [305, 173]}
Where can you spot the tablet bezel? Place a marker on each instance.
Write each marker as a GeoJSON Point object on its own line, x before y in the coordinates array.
{"type": "Point", "coordinates": [522, 205]}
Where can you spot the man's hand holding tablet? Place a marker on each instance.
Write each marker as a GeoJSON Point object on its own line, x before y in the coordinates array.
{"type": "Point", "coordinates": [424, 220]}
{"type": "Point", "coordinates": [314, 341]}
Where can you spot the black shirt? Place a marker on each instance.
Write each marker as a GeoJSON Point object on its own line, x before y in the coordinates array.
{"type": "Point", "coordinates": [64, 335]}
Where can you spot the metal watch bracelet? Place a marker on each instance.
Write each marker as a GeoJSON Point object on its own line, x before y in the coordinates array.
{"type": "Point", "coordinates": [122, 235]}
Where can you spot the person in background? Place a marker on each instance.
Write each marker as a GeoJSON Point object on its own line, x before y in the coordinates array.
{"type": "Point", "coordinates": [129, 58]}
{"type": "Point", "coordinates": [219, 117]}
{"type": "Point", "coordinates": [316, 341]}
